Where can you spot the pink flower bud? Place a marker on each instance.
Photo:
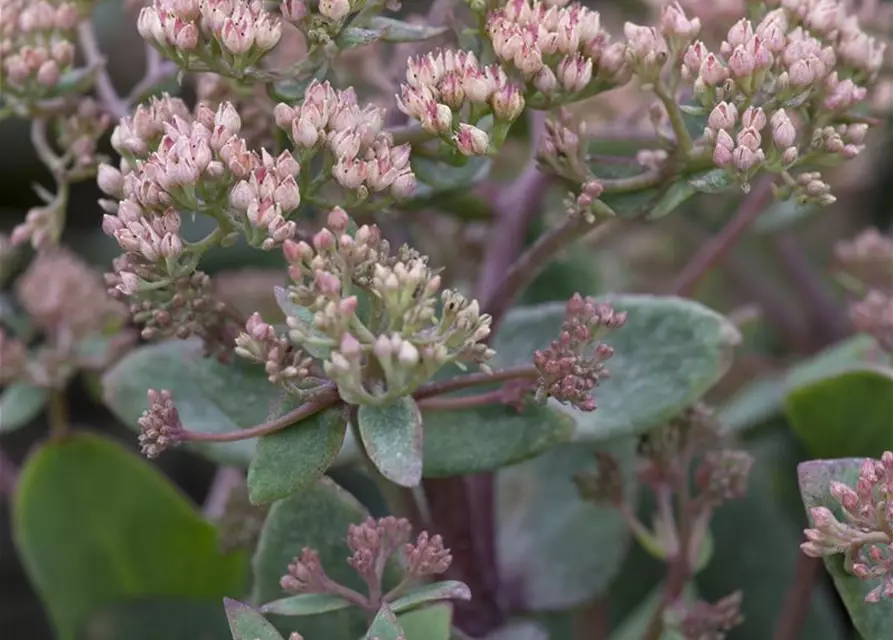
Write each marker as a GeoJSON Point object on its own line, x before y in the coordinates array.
{"type": "Point", "coordinates": [528, 59]}
{"type": "Point", "coordinates": [694, 56]}
{"type": "Point", "coordinates": [741, 63]}
{"type": "Point", "coordinates": [283, 115]}
{"type": "Point", "coordinates": [171, 246]}
{"type": "Point", "coordinates": [294, 10]}
{"type": "Point", "coordinates": [287, 195]}
{"type": "Point", "coordinates": [228, 118]}
{"type": "Point", "coordinates": [789, 156]}
{"type": "Point", "coordinates": [323, 240]}
{"type": "Point", "coordinates": [575, 73]}
{"type": "Point", "coordinates": [545, 81]}
{"type": "Point", "coordinates": [382, 348]}
{"type": "Point", "coordinates": [404, 185]}
{"type": "Point", "coordinates": [749, 138]}
{"type": "Point", "coordinates": [675, 24]}
{"type": "Point", "coordinates": [723, 116]}
{"type": "Point", "coordinates": [334, 10]}
{"type": "Point", "coordinates": [408, 355]}
{"type": "Point", "coordinates": [350, 347]}
{"type": "Point", "coordinates": [722, 151]}
{"type": "Point", "coordinates": [186, 38]}
{"type": "Point", "coordinates": [267, 34]}
{"type": "Point", "coordinates": [48, 74]}
{"type": "Point", "coordinates": [783, 131]}
{"type": "Point", "coordinates": [110, 180]}
{"type": "Point", "coordinates": [442, 119]}
{"type": "Point", "coordinates": [712, 72]}
{"type": "Point", "coordinates": [111, 225]}
{"type": "Point", "coordinates": [754, 118]}
{"type": "Point", "coordinates": [130, 283]}
{"type": "Point", "coordinates": [350, 173]}
{"type": "Point", "coordinates": [471, 141]}
{"type": "Point", "coordinates": [746, 159]}
{"type": "Point", "coordinates": [237, 38]}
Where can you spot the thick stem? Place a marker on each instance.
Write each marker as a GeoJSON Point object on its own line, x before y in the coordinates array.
{"type": "Point", "coordinates": [683, 137]}
{"type": "Point", "coordinates": [796, 602]}
{"type": "Point", "coordinates": [462, 402]}
{"type": "Point", "coordinates": [474, 380]}
{"type": "Point", "coordinates": [535, 259]}
{"type": "Point", "coordinates": [716, 249]}
{"type": "Point", "coordinates": [58, 414]}
{"type": "Point", "coordinates": [323, 400]}
{"type": "Point", "coordinates": [105, 90]}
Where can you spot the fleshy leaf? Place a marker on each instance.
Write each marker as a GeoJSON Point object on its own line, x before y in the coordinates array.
{"type": "Point", "coordinates": [153, 618]}
{"type": "Point", "coordinates": [317, 518]}
{"type": "Point", "coordinates": [500, 434]}
{"type": "Point", "coordinates": [554, 548]}
{"type": "Point", "coordinates": [385, 626]}
{"type": "Point", "coordinates": [305, 604]}
{"type": "Point", "coordinates": [437, 178]}
{"type": "Point", "coordinates": [446, 590]}
{"type": "Point", "coordinates": [712, 181]}
{"type": "Point", "coordinates": [294, 458]}
{"type": "Point", "coordinates": [670, 351]}
{"type": "Point", "coordinates": [392, 30]}
{"type": "Point", "coordinates": [392, 437]}
{"type": "Point", "coordinates": [848, 414]}
{"type": "Point", "coordinates": [20, 403]}
{"type": "Point", "coordinates": [95, 525]}
{"type": "Point", "coordinates": [873, 621]}
{"type": "Point", "coordinates": [676, 194]}
{"type": "Point", "coordinates": [351, 37]}
{"type": "Point", "coordinates": [247, 624]}
{"type": "Point", "coordinates": [428, 623]}
{"type": "Point", "coordinates": [203, 391]}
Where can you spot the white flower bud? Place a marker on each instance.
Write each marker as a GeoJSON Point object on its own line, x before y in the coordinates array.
{"type": "Point", "coordinates": [334, 10]}
{"type": "Point", "coordinates": [110, 180]}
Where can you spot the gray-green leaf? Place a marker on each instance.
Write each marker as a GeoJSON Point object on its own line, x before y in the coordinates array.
{"type": "Point", "coordinates": [247, 624]}
{"type": "Point", "coordinates": [293, 458]}
{"type": "Point", "coordinates": [490, 437]}
{"type": "Point", "coordinates": [446, 590]}
{"type": "Point", "coordinates": [392, 30]}
{"type": "Point", "coordinates": [385, 626]}
{"type": "Point", "coordinates": [666, 356]}
{"type": "Point", "coordinates": [392, 437]}
{"type": "Point", "coordinates": [556, 549]}
{"type": "Point", "coordinates": [305, 604]}
{"type": "Point", "coordinates": [20, 403]}
{"type": "Point", "coordinates": [873, 621]}
{"type": "Point", "coordinates": [203, 391]}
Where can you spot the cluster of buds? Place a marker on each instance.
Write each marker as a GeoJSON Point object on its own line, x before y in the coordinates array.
{"type": "Point", "coordinates": [364, 158]}
{"type": "Point", "coordinates": [562, 52]}
{"type": "Point", "coordinates": [668, 450]}
{"type": "Point", "coordinates": [160, 425]}
{"type": "Point", "coordinates": [867, 264]}
{"type": "Point", "coordinates": [373, 545]}
{"type": "Point", "coordinates": [649, 48]}
{"type": "Point", "coordinates": [65, 301]}
{"type": "Point", "coordinates": [79, 134]}
{"type": "Point", "coordinates": [252, 103]}
{"type": "Point", "coordinates": [401, 341]}
{"type": "Point", "coordinates": [449, 92]}
{"type": "Point", "coordinates": [705, 621]}
{"type": "Point", "coordinates": [225, 36]}
{"type": "Point", "coordinates": [863, 534]}
{"type": "Point", "coordinates": [36, 47]}
{"type": "Point", "coordinates": [571, 367]}
{"type": "Point", "coordinates": [184, 307]}
{"type": "Point", "coordinates": [723, 476]}
{"type": "Point", "coordinates": [604, 484]}
{"type": "Point", "coordinates": [283, 363]}
{"type": "Point", "coordinates": [796, 72]}
{"type": "Point", "coordinates": [321, 21]}
{"type": "Point", "coordinates": [562, 148]}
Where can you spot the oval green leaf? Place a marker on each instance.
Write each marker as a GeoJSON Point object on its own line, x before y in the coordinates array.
{"type": "Point", "coordinates": [670, 351]}
{"type": "Point", "coordinates": [203, 390]}
{"type": "Point", "coordinates": [392, 437]}
{"type": "Point", "coordinates": [305, 604]}
{"type": "Point", "coordinates": [247, 624]}
{"type": "Point", "coordinates": [317, 518]}
{"type": "Point", "coordinates": [20, 403]}
{"type": "Point", "coordinates": [849, 414]}
{"type": "Point", "coordinates": [873, 621]}
{"type": "Point", "coordinates": [95, 525]}
{"type": "Point", "coordinates": [554, 548]}
{"type": "Point", "coordinates": [446, 590]}
{"type": "Point", "coordinates": [153, 618]}
{"type": "Point", "coordinates": [294, 458]}
{"type": "Point", "coordinates": [433, 622]}
{"type": "Point", "coordinates": [392, 30]}
{"type": "Point", "coordinates": [490, 437]}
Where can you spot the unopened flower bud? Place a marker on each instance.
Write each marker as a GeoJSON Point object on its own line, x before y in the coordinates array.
{"type": "Point", "coordinates": [471, 141]}
{"type": "Point", "coordinates": [334, 10]}
{"type": "Point", "coordinates": [723, 116]}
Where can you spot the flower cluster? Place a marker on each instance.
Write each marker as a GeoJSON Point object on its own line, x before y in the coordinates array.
{"type": "Point", "coordinates": [226, 36]}
{"type": "Point", "coordinates": [65, 301]}
{"type": "Point", "coordinates": [788, 79]}
{"type": "Point", "coordinates": [253, 104]}
{"type": "Point", "coordinates": [373, 544]}
{"type": "Point", "coordinates": [284, 364]}
{"type": "Point", "coordinates": [364, 158]}
{"type": "Point", "coordinates": [567, 370]}
{"type": "Point", "coordinates": [398, 339]}
{"type": "Point", "coordinates": [562, 52]}
{"type": "Point", "coordinates": [668, 450]}
{"type": "Point", "coordinates": [707, 621]}
{"type": "Point", "coordinates": [867, 265]}
{"type": "Point", "coordinates": [321, 21]}
{"type": "Point", "coordinates": [449, 93]}
{"type": "Point", "coordinates": [863, 534]}
{"type": "Point", "coordinates": [160, 424]}
{"type": "Point", "coordinates": [723, 476]}
{"type": "Point", "coordinates": [36, 47]}
{"type": "Point", "coordinates": [79, 134]}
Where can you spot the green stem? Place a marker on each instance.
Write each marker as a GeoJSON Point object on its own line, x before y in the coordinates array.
{"type": "Point", "coordinates": [58, 414]}
{"type": "Point", "coordinates": [683, 137]}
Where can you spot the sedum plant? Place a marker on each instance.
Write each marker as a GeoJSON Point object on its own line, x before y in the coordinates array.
{"type": "Point", "coordinates": [390, 390]}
